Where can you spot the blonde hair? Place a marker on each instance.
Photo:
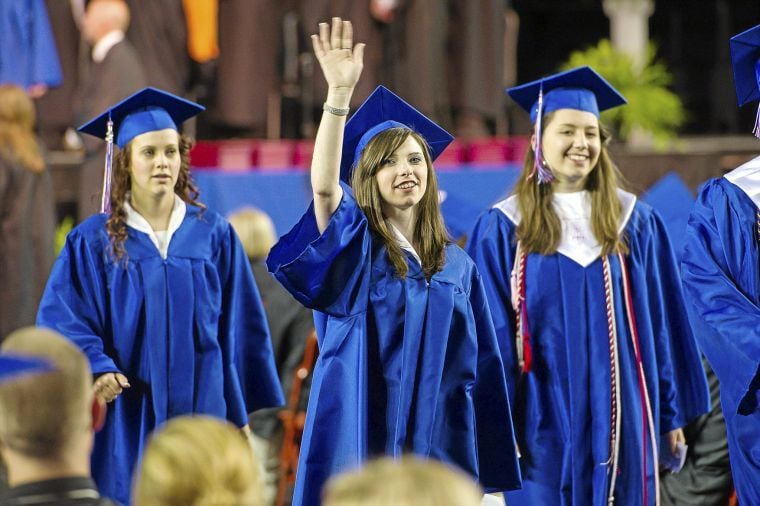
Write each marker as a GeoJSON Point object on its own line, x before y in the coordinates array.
{"type": "Point", "coordinates": [410, 481]}
{"type": "Point", "coordinates": [430, 236]}
{"type": "Point", "coordinates": [18, 142]}
{"type": "Point", "coordinates": [41, 415]}
{"type": "Point", "coordinates": [198, 461]}
{"type": "Point", "coordinates": [255, 230]}
{"type": "Point", "coordinates": [540, 229]}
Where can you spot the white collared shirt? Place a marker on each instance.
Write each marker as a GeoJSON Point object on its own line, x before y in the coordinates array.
{"type": "Point", "coordinates": [747, 178]}
{"type": "Point", "coordinates": [103, 46]}
{"type": "Point", "coordinates": [160, 238]}
{"type": "Point", "coordinates": [574, 211]}
{"type": "Point", "coordinates": [403, 243]}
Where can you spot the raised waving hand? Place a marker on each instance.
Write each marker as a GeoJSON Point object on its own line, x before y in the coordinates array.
{"type": "Point", "coordinates": [341, 64]}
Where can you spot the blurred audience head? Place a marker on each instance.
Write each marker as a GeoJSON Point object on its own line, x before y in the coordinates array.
{"type": "Point", "coordinates": [410, 481]}
{"type": "Point", "coordinates": [255, 230]}
{"type": "Point", "coordinates": [47, 421]}
{"type": "Point", "coordinates": [103, 17]}
{"type": "Point", "coordinates": [18, 142]}
{"type": "Point", "coordinates": [197, 461]}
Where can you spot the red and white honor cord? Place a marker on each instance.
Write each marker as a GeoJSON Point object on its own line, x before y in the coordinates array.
{"type": "Point", "coordinates": [525, 360]}
{"type": "Point", "coordinates": [522, 331]}
{"type": "Point", "coordinates": [615, 398]}
{"type": "Point", "coordinates": [646, 404]}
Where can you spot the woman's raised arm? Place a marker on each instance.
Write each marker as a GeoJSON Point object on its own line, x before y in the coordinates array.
{"type": "Point", "coordinates": [341, 64]}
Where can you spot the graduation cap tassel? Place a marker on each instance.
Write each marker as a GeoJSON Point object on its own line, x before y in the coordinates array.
{"type": "Point", "coordinates": [540, 169]}
{"type": "Point", "coordinates": [756, 130]}
{"type": "Point", "coordinates": [105, 200]}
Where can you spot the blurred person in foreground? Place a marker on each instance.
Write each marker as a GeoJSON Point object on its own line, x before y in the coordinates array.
{"type": "Point", "coordinates": [409, 481]}
{"type": "Point", "coordinates": [27, 212]}
{"type": "Point", "coordinates": [47, 424]}
{"type": "Point", "coordinates": [197, 461]}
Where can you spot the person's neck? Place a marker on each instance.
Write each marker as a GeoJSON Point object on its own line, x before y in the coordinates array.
{"type": "Point", "coordinates": [157, 210]}
{"type": "Point", "coordinates": [403, 220]}
{"type": "Point", "coordinates": [23, 469]}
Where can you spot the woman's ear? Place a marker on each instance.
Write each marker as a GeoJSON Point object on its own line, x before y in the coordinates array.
{"type": "Point", "coordinates": [533, 142]}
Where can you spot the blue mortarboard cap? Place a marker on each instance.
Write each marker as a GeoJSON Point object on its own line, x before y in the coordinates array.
{"type": "Point", "coordinates": [147, 110]}
{"type": "Point", "coordinates": [381, 111]}
{"type": "Point", "coordinates": [745, 58]}
{"type": "Point", "coordinates": [14, 366]}
{"type": "Point", "coordinates": [580, 88]}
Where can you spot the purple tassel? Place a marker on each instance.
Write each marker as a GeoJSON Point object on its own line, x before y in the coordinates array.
{"type": "Point", "coordinates": [540, 169]}
{"type": "Point", "coordinates": [756, 130]}
{"type": "Point", "coordinates": [105, 200]}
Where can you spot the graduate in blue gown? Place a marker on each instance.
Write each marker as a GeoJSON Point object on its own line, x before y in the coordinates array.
{"type": "Point", "coordinates": [409, 361]}
{"type": "Point", "coordinates": [28, 54]}
{"type": "Point", "coordinates": [158, 292]}
{"type": "Point", "coordinates": [585, 294]}
{"type": "Point", "coordinates": [721, 279]}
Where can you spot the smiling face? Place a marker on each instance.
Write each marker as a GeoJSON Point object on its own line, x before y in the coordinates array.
{"type": "Point", "coordinates": [571, 143]}
{"type": "Point", "coordinates": [402, 176]}
{"type": "Point", "coordinates": [155, 164]}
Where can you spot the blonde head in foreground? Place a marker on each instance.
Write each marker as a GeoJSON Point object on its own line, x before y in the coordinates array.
{"type": "Point", "coordinates": [197, 461]}
{"type": "Point", "coordinates": [410, 481]}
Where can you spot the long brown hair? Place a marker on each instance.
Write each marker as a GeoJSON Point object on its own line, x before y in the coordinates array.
{"type": "Point", "coordinates": [18, 142]}
{"type": "Point", "coordinates": [540, 229]}
{"type": "Point", "coordinates": [430, 236]}
{"type": "Point", "coordinates": [121, 182]}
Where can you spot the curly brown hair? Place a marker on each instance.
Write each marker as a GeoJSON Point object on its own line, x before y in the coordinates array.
{"type": "Point", "coordinates": [430, 236]}
{"type": "Point", "coordinates": [116, 225]}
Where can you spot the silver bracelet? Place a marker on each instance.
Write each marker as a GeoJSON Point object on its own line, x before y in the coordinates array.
{"type": "Point", "coordinates": [337, 111]}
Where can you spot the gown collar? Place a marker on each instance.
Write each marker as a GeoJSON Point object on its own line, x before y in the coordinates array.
{"type": "Point", "coordinates": [405, 245]}
{"type": "Point", "coordinates": [136, 221]}
{"type": "Point", "coordinates": [747, 178]}
{"type": "Point", "coordinates": [574, 210]}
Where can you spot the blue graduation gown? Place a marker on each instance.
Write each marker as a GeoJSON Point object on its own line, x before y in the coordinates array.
{"type": "Point", "coordinates": [562, 407]}
{"type": "Point", "coordinates": [404, 366]}
{"type": "Point", "coordinates": [721, 279]}
{"type": "Point", "coordinates": [28, 54]}
{"type": "Point", "coordinates": [188, 332]}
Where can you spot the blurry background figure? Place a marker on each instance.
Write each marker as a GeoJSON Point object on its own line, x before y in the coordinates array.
{"type": "Point", "coordinates": [111, 71]}
{"type": "Point", "coordinates": [366, 30]}
{"type": "Point", "coordinates": [410, 481]}
{"type": "Point", "coordinates": [290, 324]}
{"type": "Point", "coordinates": [27, 214]}
{"type": "Point", "coordinates": [247, 72]}
{"type": "Point", "coordinates": [197, 460]}
{"type": "Point", "coordinates": [28, 54]}
{"type": "Point", "coordinates": [47, 424]}
{"type": "Point", "coordinates": [159, 33]}
{"type": "Point", "coordinates": [55, 109]}
{"type": "Point", "coordinates": [458, 85]}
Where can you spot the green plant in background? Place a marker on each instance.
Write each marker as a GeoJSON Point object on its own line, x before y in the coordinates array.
{"type": "Point", "coordinates": [63, 229]}
{"type": "Point", "coordinates": [652, 107]}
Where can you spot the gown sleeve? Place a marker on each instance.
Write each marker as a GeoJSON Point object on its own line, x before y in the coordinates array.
{"type": "Point", "coordinates": [328, 272]}
{"type": "Point", "coordinates": [497, 451]}
{"type": "Point", "coordinates": [75, 300]}
{"type": "Point", "coordinates": [46, 68]}
{"type": "Point", "coordinates": [491, 249]}
{"type": "Point", "coordinates": [244, 335]}
{"type": "Point", "coordinates": [659, 305]}
{"type": "Point", "coordinates": [719, 271]}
